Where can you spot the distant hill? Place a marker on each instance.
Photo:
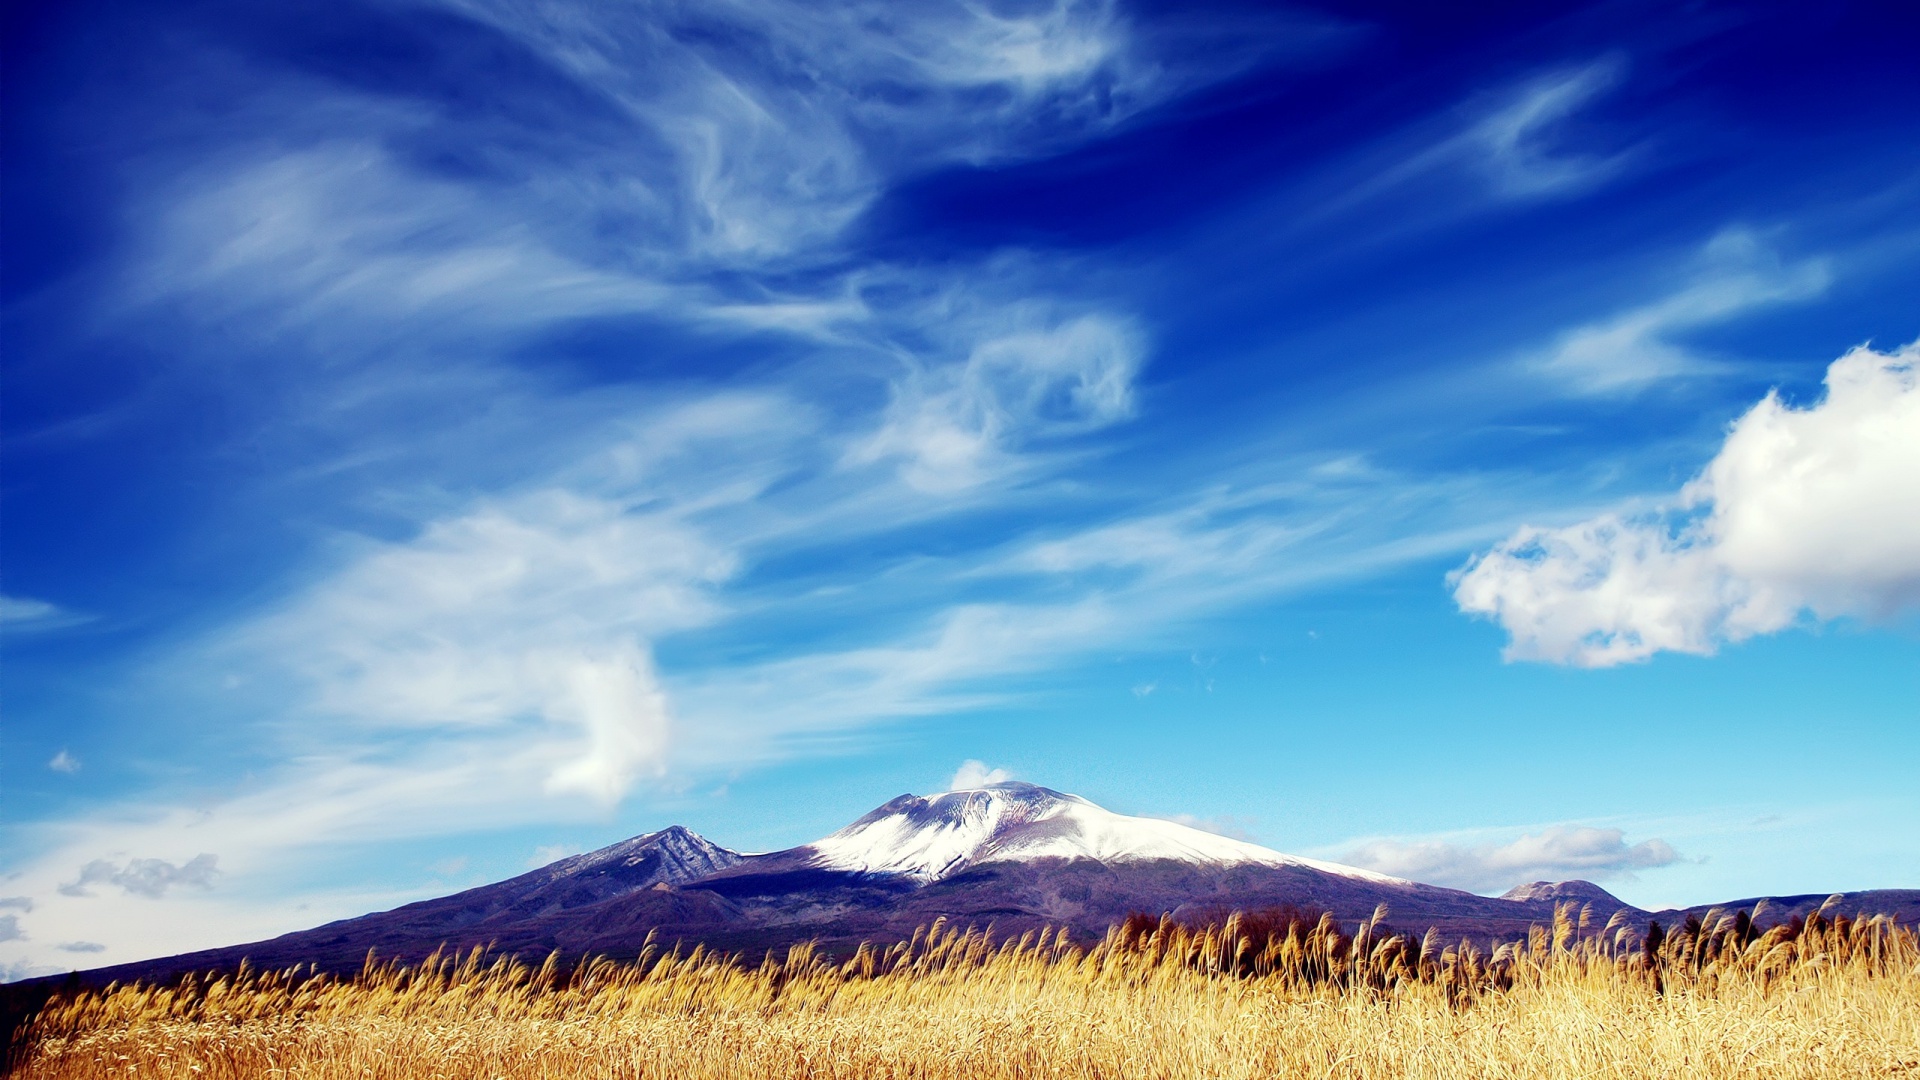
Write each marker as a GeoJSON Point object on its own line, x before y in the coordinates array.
{"type": "Point", "coordinates": [1015, 856]}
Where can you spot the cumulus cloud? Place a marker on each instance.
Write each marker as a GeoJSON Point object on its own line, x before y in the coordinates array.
{"type": "Point", "coordinates": [952, 425]}
{"type": "Point", "coordinates": [10, 928]}
{"type": "Point", "coordinates": [975, 774]}
{"type": "Point", "coordinates": [1803, 511]}
{"type": "Point", "coordinates": [64, 762]}
{"type": "Point", "coordinates": [1558, 853]}
{"type": "Point", "coordinates": [145, 877]}
{"type": "Point", "coordinates": [1734, 273]}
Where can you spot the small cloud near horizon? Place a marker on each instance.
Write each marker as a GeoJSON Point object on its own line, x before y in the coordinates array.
{"type": "Point", "coordinates": [145, 877]}
{"type": "Point", "coordinates": [1558, 853]}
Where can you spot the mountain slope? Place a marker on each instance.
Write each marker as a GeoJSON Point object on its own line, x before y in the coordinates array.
{"type": "Point", "coordinates": [514, 915]}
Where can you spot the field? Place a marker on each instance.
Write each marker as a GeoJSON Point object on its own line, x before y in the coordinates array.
{"type": "Point", "coordinates": [1274, 996]}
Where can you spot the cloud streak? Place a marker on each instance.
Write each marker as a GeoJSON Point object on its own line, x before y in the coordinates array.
{"type": "Point", "coordinates": [1642, 346]}
{"type": "Point", "coordinates": [1517, 144]}
{"type": "Point", "coordinates": [956, 426]}
{"type": "Point", "coordinates": [26, 615]}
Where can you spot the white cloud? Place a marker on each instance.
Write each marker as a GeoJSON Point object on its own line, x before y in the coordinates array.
{"type": "Point", "coordinates": [975, 774]}
{"type": "Point", "coordinates": [1735, 273]}
{"type": "Point", "coordinates": [1554, 854]}
{"type": "Point", "coordinates": [336, 238]}
{"type": "Point", "coordinates": [145, 877]}
{"type": "Point", "coordinates": [541, 606]}
{"type": "Point", "coordinates": [22, 609]}
{"type": "Point", "coordinates": [953, 425]}
{"type": "Point", "coordinates": [1812, 509]}
{"type": "Point", "coordinates": [64, 762]}
{"type": "Point", "coordinates": [24, 614]}
{"type": "Point", "coordinates": [1517, 145]}
{"type": "Point", "coordinates": [1513, 144]}
{"type": "Point", "coordinates": [764, 128]}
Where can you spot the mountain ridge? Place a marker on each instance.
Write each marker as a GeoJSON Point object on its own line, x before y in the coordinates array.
{"type": "Point", "coordinates": [1014, 856]}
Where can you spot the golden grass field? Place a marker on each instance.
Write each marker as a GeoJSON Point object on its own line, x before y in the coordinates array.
{"type": "Point", "coordinates": [1250, 998]}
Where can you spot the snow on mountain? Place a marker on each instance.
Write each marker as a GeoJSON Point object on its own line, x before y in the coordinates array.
{"type": "Point", "coordinates": [1582, 892]}
{"type": "Point", "coordinates": [931, 837]}
{"type": "Point", "coordinates": [675, 855]}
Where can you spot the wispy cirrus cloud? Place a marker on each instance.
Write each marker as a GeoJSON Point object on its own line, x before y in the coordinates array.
{"type": "Point", "coordinates": [1522, 146]}
{"type": "Point", "coordinates": [27, 615]}
{"type": "Point", "coordinates": [1735, 273]}
{"type": "Point", "coordinates": [1513, 144]}
{"type": "Point", "coordinates": [955, 426]}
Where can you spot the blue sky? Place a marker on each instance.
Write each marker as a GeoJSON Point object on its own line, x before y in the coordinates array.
{"type": "Point", "coordinates": [443, 436]}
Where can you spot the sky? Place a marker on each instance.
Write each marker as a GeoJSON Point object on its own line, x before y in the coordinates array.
{"type": "Point", "coordinates": [1479, 443]}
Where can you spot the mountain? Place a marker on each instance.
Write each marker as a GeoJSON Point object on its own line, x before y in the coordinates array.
{"type": "Point", "coordinates": [934, 837]}
{"type": "Point", "coordinates": [673, 856]}
{"type": "Point", "coordinates": [1902, 905]}
{"type": "Point", "coordinates": [1014, 856]}
{"type": "Point", "coordinates": [1560, 892]}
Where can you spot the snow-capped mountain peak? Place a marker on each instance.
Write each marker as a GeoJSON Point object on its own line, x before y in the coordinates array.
{"type": "Point", "coordinates": [931, 837]}
{"type": "Point", "coordinates": [674, 855]}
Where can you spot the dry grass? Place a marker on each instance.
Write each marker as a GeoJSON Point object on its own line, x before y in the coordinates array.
{"type": "Point", "coordinates": [1252, 998]}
